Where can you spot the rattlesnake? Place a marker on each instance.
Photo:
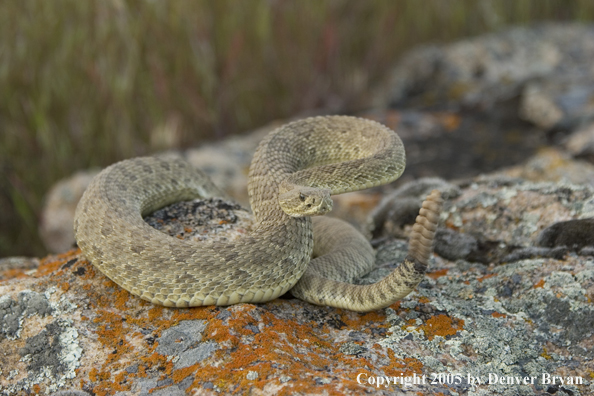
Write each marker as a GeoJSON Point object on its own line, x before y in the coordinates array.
{"type": "Point", "coordinates": [293, 173]}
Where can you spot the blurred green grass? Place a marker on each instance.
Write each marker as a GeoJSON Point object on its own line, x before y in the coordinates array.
{"type": "Point", "coordinates": [87, 83]}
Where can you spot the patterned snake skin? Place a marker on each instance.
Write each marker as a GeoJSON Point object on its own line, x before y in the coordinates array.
{"type": "Point", "coordinates": [294, 171]}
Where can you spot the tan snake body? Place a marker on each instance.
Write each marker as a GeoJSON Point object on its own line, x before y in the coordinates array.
{"type": "Point", "coordinates": [294, 171]}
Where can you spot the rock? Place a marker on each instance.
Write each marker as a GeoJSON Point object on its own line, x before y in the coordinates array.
{"type": "Point", "coordinates": [201, 219]}
{"type": "Point", "coordinates": [13, 267]}
{"type": "Point", "coordinates": [454, 245]}
{"type": "Point", "coordinates": [580, 143]}
{"type": "Point", "coordinates": [57, 219]}
{"type": "Point", "coordinates": [560, 101]}
{"type": "Point", "coordinates": [489, 240]}
{"type": "Point", "coordinates": [506, 215]}
{"type": "Point", "coordinates": [459, 144]}
{"type": "Point", "coordinates": [552, 164]}
{"type": "Point", "coordinates": [487, 70]}
{"type": "Point", "coordinates": [66, 327]}
{"type": "Point", "coordinates": [574, 234]}
{"type": "Point", "coordinates": [401, 207]}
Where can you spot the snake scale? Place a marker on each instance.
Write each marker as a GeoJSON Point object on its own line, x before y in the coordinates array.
{"type": "Point", "coordinates": [293, 173]}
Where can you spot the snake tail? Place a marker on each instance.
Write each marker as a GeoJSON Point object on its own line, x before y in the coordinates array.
{"type": "Point", "coordinates": [395, 286]}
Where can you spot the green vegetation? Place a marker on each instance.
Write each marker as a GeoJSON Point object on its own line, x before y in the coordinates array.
{"type": "Point", "coordinates": [87, 83]}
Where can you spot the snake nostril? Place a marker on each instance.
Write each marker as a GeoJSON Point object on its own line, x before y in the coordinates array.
{"type": "Point", "coordinates": [308, 205]}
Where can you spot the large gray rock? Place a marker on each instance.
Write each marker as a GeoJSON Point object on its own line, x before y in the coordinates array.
{"type": "Point", "coordinates": [509, 301]}
{"type": "Point", "coordinates": [548, 66]}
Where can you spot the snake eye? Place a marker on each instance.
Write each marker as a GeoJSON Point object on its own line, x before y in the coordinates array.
{"type": "Point", "coordinates": [301, 197]}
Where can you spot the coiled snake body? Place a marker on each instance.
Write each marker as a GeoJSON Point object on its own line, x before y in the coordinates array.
{"type": "Point", "coordinates": [294, 171]}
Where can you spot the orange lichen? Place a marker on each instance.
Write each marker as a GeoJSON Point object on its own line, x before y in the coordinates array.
{"type": "Point", "coordinates": [13, 273]}
{"type": "Point", "coordinates": [450, 224]}
{"type": "Point", "coordinates": [540, 284]}
{"type": "Point", "coordinates": [406, 367]}
{"type": "Point", "coordinates": [441, 325]}
{"type": "Point", "coordinates": [438, 273]}
{"type": "Point", "coordinates": [50, 264]}
{"type": "Point", "coordinates": [498, 315]}
{"type": "Point", "coordinates": [424, 300]}
{"type": "Point", "coordinates": [179, 375]}
{"type": "Point", "coordinates": [111, 333]}
{"type": "Point", "coordinates": [110, 388]}
{"type": "Point", "coordinates": [121, 298]}
{"type": "Point", "coordinates": [90, 272]}
{"type": "Point", "coordinates": [120, 377]}
{"type": "Point", "coordinates": [353, 320]}
{"type": "Point", "coordinates": [155, 312]}
{"type": "Point", "coordinates": [198, 313]}
{"type": "Point", "coordinates": [96, 375]}
{"type": "Point", "coordinates": [482, 278]}
{"type": "Point", "coordinates": [156, 360]}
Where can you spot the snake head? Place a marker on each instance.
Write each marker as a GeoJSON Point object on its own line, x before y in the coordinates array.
{"type": "Point", "coordinates": [302, 201]}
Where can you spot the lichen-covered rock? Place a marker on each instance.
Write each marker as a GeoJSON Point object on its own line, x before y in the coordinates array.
{"type": "Point", "coordinates": [485, 315]}
{"type": "Point", "coordinates": [553, 165]}
{"type": "Point", "coordinates": [487, 70]}
{"type": "Point", "coordinates": [12, 267]}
